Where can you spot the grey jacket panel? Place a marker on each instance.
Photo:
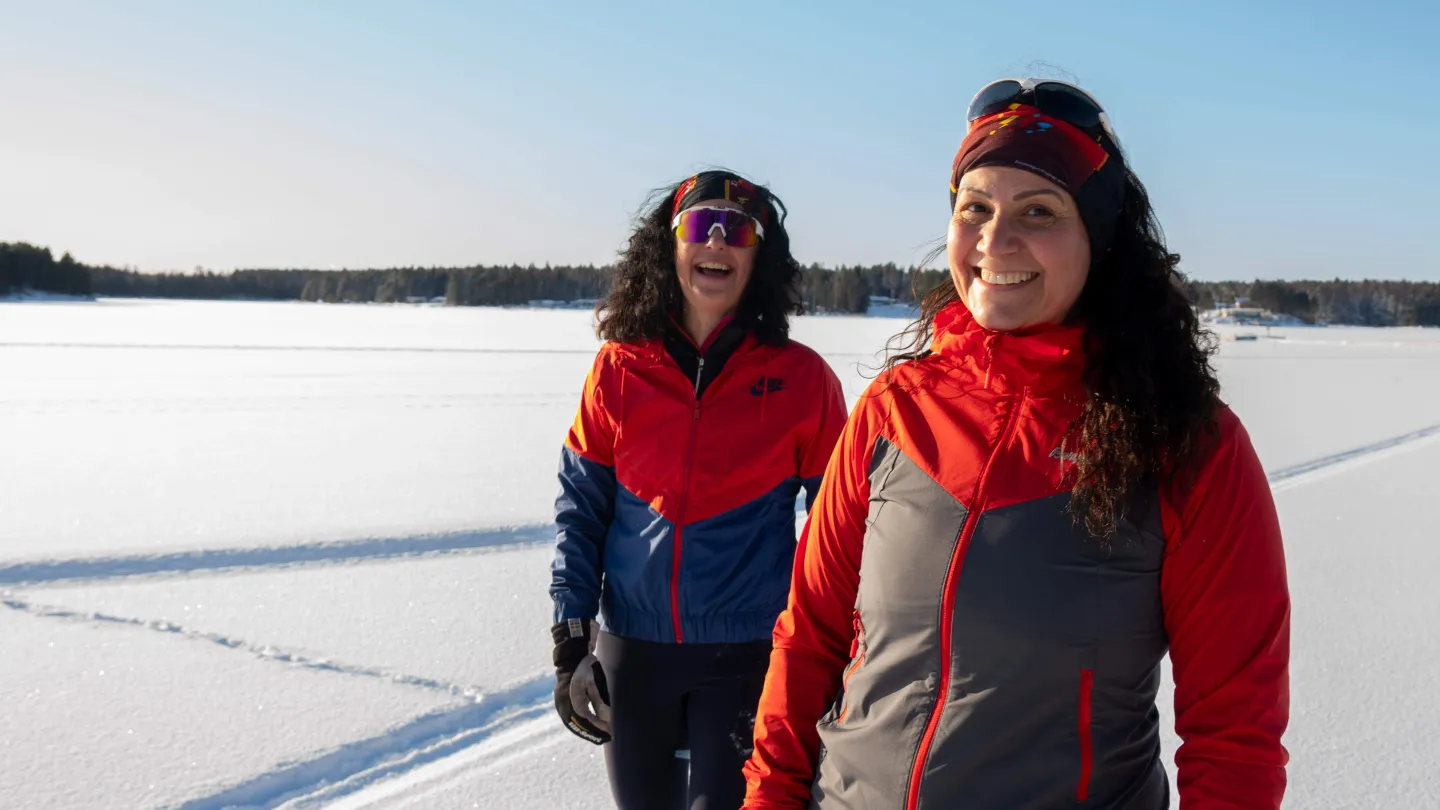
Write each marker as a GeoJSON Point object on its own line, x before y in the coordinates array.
{"type": "Point", "coordinates": [1038, 604]}
{"type": "Point", "coordinates": [889, 687]}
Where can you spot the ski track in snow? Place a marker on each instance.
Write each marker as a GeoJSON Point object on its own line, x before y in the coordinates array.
{"type": "Point", "coordinates": [357, 765]}
{"type": "Point", "coordinates": [235, 560]}
{"type": "Point", "coordinates": [456, 736]}
{"type": "Point", "coordinates": [1298, 474]}
{"type": "Point", "coordinates": [89, 569]}
{"type": "Point", "coordinates": [401, 766]}
{"type": "Point", "coordinates": [521, 740]}
{"type": "Point", "coordinates": [265, 652]}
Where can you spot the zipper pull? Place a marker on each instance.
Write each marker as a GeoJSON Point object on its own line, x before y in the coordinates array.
{"type": "Point", "coordinates": [699, 373]}
{"type": "Point", "coordinates": [990, 341]}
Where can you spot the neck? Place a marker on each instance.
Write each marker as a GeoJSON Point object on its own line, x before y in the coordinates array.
{"type": "Point", "coordinates": [699, 325]}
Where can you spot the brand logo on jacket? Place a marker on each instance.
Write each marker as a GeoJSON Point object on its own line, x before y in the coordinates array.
{"type": "Point", "coordinates": [767, 385]}
{"type": "Point", "coordinates": [1058, 453]}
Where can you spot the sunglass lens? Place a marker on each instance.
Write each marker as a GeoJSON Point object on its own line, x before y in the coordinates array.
{"type": "Point", "coordinates": [684, 227]}
{"type": "Point", "coordinates": [1069, 105]}
{"type": "Point", "coordinates": [740, 230]}
{"type": "Point", "coordinates": [993, 98]}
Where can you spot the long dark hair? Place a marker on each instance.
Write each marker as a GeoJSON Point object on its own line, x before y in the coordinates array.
{"type": "Point", "coordinates": [1151, 410]}
{"type": "Point", "coordinates": [645, 293]}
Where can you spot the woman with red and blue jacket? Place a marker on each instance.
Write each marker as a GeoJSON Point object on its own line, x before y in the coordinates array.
{"type": "Point", "coordinates": [1026, 512]}
{"type": "Point", "coordinates": [699, 424]}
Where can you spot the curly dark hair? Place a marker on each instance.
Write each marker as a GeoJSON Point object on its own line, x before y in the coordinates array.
{"type": "Point", "coordinates": [1153, 395]}
{"type": "Point", "coordinates": [645, 292]}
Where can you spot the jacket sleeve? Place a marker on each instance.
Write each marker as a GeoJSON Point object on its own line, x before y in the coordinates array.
{"type": "Point", "coordinates": [825, 430]}
{"type": "Point", "coordinates": [1227, 611]}
{"type": "Point", "coordinates": [586, 503]}
{"type": "Point", "coordinates": [813, 634]}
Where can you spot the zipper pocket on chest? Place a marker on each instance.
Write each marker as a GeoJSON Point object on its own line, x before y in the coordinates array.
{"type": "Point", "coordinates": [857, 658]}
{"type": "Point", "coordinates": [1087, 745]}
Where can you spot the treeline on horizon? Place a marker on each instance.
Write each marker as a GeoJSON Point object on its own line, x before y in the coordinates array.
{"type": "Point", "coordinates": [25, 267]}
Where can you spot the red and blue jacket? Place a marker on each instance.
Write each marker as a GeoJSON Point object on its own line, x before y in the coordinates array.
{"type": "Point", "coordinates": [675, 521]}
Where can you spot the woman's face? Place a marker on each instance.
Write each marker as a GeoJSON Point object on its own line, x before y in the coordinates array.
{"type": "Point", "coordinates": [713, 275]}
{"type": "Point", "coordinates": [1018, 251]}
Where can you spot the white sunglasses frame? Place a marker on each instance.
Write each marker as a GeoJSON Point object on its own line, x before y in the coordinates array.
{"type": "Point", "coordinates": [675, 221]}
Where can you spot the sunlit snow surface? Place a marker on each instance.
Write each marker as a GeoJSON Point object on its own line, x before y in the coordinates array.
{"type": "Point", "coordinates": [295, 555]}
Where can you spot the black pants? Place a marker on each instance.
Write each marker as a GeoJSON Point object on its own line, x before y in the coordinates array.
{"type": "Point", "coordinates": [669, 697]}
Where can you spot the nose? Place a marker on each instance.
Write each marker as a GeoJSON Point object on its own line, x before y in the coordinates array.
{"type": "Point", "coordinates": [997, 237]}
{"type": "Point", "coordinates": [715, 241]}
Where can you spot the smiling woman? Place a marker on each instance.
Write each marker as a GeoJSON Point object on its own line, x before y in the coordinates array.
{"type": "Point", "coordinates": [656, 282]}
{"type": "Point", "coordinates": [715, 246]}
{"type": "Point", "coordinates": [700, 423]}
{"type": "Point", "coordinates": [1026, 510]}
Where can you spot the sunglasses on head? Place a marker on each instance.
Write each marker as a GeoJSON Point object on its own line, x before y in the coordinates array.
{"type": "Point", "coordinates": [738, 228]}
{"type": "Point", "coordinates": [1060, 100]}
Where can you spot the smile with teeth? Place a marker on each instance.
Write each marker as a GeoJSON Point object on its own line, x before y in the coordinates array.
{"type": "Point", "coordinates": [1004, 278]}
{"type": "Point", "coordinates": [713, 269]}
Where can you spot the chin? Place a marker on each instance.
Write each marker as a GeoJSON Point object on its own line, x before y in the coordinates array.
{"type": "Point", "coordinates": [1000, 320]}
{"type": "Point", "coordinates": [717, 298]}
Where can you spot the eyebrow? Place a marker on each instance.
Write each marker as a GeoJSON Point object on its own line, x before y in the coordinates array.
{"type": "Point", "coordinates": [1021, 196]}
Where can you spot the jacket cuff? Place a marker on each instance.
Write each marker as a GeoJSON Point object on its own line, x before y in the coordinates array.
{"type": "Point", "coordinates": [565, 611]}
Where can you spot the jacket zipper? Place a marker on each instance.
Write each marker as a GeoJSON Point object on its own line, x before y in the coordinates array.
{"type": "Point", "coordinates": [680, 518]}
{"type": "Point", "coordinates": [947, 601]}
{"type": "Point", "coordinates": [857, 657]}
{"type": "Point", "coordinates": [1087, 744]}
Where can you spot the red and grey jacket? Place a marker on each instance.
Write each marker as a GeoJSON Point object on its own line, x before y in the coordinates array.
{"type": "Point", "coordinates": [953, 639]}
{"type": "Point", "coordinates": [676, 515]}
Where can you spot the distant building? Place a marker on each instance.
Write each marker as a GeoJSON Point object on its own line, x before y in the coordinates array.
{"type": "Point", "coordinates": [1240, 313]}
{"type": "Point", "coordinates": [1243, 314]}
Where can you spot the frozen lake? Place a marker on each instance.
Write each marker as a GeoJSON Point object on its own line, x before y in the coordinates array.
{"type": "Point", "coordinates": [295, 555]}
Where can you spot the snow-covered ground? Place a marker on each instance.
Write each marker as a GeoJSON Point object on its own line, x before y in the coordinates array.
{"type": "Point", "coordinates": [295, 555]}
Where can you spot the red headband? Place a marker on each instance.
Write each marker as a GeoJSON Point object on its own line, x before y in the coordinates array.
{"type": "Point", "coordinates": [1022, 137]}
{"type": "Point", "coordinates": [1028, 139]}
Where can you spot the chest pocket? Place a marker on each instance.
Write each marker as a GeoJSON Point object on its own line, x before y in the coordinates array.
{"type": "Point", "coordinates": [1033, 576]}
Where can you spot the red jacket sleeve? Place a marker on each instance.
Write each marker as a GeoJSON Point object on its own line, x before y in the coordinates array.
{"type": "Point", "coordinates": [592, 435]}
{"type": "Point", "coordinates": [1227, 611]}
{"type": "Point", "coordinates": [812, 637]}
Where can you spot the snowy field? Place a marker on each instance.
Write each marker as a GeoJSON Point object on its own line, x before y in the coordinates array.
{"type": "Point", "coordinates": [295, 555]}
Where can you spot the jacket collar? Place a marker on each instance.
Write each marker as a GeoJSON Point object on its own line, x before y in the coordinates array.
{"type": "Point", "coordinates": [1046, 358]}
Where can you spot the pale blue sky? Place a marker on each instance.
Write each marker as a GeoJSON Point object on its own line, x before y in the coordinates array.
{"type": "Point", "coordinates": [1279, 140]}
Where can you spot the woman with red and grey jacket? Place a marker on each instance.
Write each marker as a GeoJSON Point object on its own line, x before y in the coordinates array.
{"type": "Point", "coordinates": [699, 425]}
{"type": "Point", "coordinates": [1025, 512]}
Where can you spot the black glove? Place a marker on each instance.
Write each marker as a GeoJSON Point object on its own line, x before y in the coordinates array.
{"type": "Point", "coordinates": [574, 653]}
